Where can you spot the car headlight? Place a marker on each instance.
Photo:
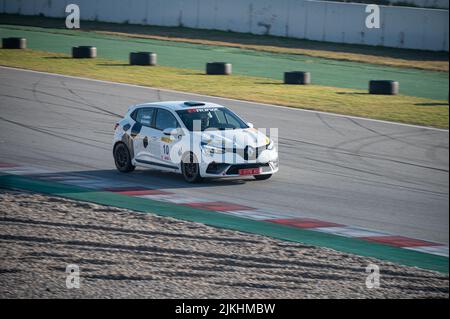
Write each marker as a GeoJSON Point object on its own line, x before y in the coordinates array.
{"type": "Point", "coordinates": [271, 145]}
{"type": "Point", "coordinates": [210, 149]}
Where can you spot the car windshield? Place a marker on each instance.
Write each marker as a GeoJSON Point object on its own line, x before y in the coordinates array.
{"type": "Point", "coordinates": [210, 119]}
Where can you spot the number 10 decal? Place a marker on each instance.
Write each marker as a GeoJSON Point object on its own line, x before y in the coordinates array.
{"type": "Point", "coordinates": [166, 149]}
{"type": "Point", "coordinates": [165, 152]}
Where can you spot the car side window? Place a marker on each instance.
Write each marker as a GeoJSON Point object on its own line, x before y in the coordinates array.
{"type": "Point", "coordinates": [220, 117]}
{"type": "Point", "coordinates": [232, 121]}
{"type": "Point", "coordinates": [145, 116]}
{"type": "Point", "coordinates": [165, 119]}
{"type": "Point", "coordinates": [133, 114]}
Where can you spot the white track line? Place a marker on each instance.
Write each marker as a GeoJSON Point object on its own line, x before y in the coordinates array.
{"type": "Point", "coordinates": [254, 214]}
{"type": "Point", "coordinates": [227, 99]}
{"type": "Point", "coordinates": [435, 250]}
{"type": "Point", "coordinates": [180, 199]}
{"type": "Point", "coordinates": [350, 231]}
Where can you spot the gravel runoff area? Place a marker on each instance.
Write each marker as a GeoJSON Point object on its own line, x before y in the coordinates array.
{"type": "Point", "coordinates": [124, 254]}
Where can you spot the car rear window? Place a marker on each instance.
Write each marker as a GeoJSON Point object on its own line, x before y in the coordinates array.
{"type": "Point", "coordinates": [145, 116]}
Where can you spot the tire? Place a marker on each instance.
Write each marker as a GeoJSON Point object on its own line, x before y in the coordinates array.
{"type": "Point", "coordinates": [262, 177]}
{"type": "Point", "coordinates": [297, 77]}
{"type": "Point", "coordinates": [142, 58]}
{"type": "Point", "coordinates": [218, 68]}
{"type": "Point", "coordinates": [190, 168]}
{"type": "Point", "coordinates": [14, 43]}
{"type": "Point", "coordinates": [84, 52]}
{"type": "Point", "coordinates": [122, 158]}
{"type": "Point", "coordinates": [384, 87]}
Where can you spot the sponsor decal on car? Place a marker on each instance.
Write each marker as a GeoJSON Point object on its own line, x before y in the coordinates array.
{"type": "Point", "coordinates": [202, 110]}
{"type": "Point", "coordinates": [166, 139]}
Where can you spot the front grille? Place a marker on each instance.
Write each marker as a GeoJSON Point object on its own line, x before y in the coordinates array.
{"type": "Point", "coordinates": [234, 169]}
{"type": "Point", "coordinates": [244, 153]}
{"type": "Point", "coordinates": [216, 168]}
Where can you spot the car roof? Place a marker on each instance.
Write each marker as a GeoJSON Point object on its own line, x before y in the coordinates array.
{"type": "Point", "coordinates": [177, 105]}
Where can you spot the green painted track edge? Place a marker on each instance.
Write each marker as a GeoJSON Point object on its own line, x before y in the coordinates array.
{"type": "Point", "coordinates": [221, 220]}
{"type": "Point", "coordinates": [324, 79]}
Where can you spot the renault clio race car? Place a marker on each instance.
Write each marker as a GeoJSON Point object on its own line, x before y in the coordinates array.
{"type": "Point", "coordinates": [196, 139]}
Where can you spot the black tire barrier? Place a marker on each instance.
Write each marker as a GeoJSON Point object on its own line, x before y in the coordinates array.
{"type": "Point", "coordinates": [84, 52]}
{"type": "Point", "coordinates": [143, 58]}
{"type": "Point", "coordinates": [384, 87]}
{"type": "Point", "coordinates": [14, 43]}
{"type": "Point", "coordinates": [297, 77]}
{"type": "Point", "coordinates": [221, 68]}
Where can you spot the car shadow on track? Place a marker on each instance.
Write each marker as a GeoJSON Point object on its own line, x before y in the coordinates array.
{"type": "Point", "coordinates": [154, 179]}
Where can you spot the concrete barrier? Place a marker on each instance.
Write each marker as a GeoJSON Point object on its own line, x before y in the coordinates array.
{"type": "Point", "coordinates": [436, 4]}
{"type": "Point", "coordinates": [401, 27]}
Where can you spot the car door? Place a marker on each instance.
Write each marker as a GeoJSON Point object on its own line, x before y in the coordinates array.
{"type": "Point", "coordinates": [164, 119]}
{"type": "Point", "coordinates": [141, 134]}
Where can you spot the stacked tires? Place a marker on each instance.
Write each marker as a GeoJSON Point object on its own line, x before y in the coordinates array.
{"type": "Point", "coordinates": [297, 77]}
{"type": "Point", "coordinates": [384, 87]}
{"type": "Point", "coordinates": [84, 52]}
{"type": "Point", "coordinates": [142, 58]}
{"type": "Point", "coordinates": [14, 43]}
{"type": "Point", "coordinates": [218, 68]}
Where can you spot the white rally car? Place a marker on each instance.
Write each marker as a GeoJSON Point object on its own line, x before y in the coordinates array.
{"type": "Point", "coordinates": [197, 139]}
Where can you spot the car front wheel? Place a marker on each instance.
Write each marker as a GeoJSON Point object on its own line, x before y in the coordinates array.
{"type": "Point", "coordinates": [191, 169]}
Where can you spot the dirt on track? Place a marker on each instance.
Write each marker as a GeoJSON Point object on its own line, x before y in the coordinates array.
{"type": "Point", "coordinates": [124, 254]}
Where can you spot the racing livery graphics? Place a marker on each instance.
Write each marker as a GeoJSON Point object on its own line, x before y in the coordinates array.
{"type": "Point", "coordinates": [196, 139]}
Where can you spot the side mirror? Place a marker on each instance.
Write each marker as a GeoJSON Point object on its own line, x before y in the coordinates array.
{"type": "Point", "coordinates": [178, 132]}
{"type": "Point", "coordinates": [250, 125]}
{"type": "Point", "coordinates": [170, 131]}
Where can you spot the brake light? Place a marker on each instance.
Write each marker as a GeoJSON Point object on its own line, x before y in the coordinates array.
{"type": "Point", "coordinates": [116, 126]}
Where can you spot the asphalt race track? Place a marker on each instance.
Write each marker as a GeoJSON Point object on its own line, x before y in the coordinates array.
{"type": "Point", "coordinates": [377, 175]}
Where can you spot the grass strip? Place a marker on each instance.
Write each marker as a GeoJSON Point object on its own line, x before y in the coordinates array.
{"type": "Point", "coordinates": [404, 109]}
{"type": "Point", "coordinates": [377, 55]}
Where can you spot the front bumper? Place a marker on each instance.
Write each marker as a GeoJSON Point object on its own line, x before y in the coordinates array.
{"type": "Point", "coordinates": [216, 166]}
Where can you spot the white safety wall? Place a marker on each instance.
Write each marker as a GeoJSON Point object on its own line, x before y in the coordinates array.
{"type": "Point", "coordinates": [401, 27]}
{"type": "Point", "coordinates": [440, 4]}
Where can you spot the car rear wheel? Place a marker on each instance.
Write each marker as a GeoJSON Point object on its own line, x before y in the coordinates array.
{"type": "Point", "coordinates": [122, 158]}
{"type": "Point", "coordinates": [190, 169]}
{"type": "Point", "coordinates": [262, 177]}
